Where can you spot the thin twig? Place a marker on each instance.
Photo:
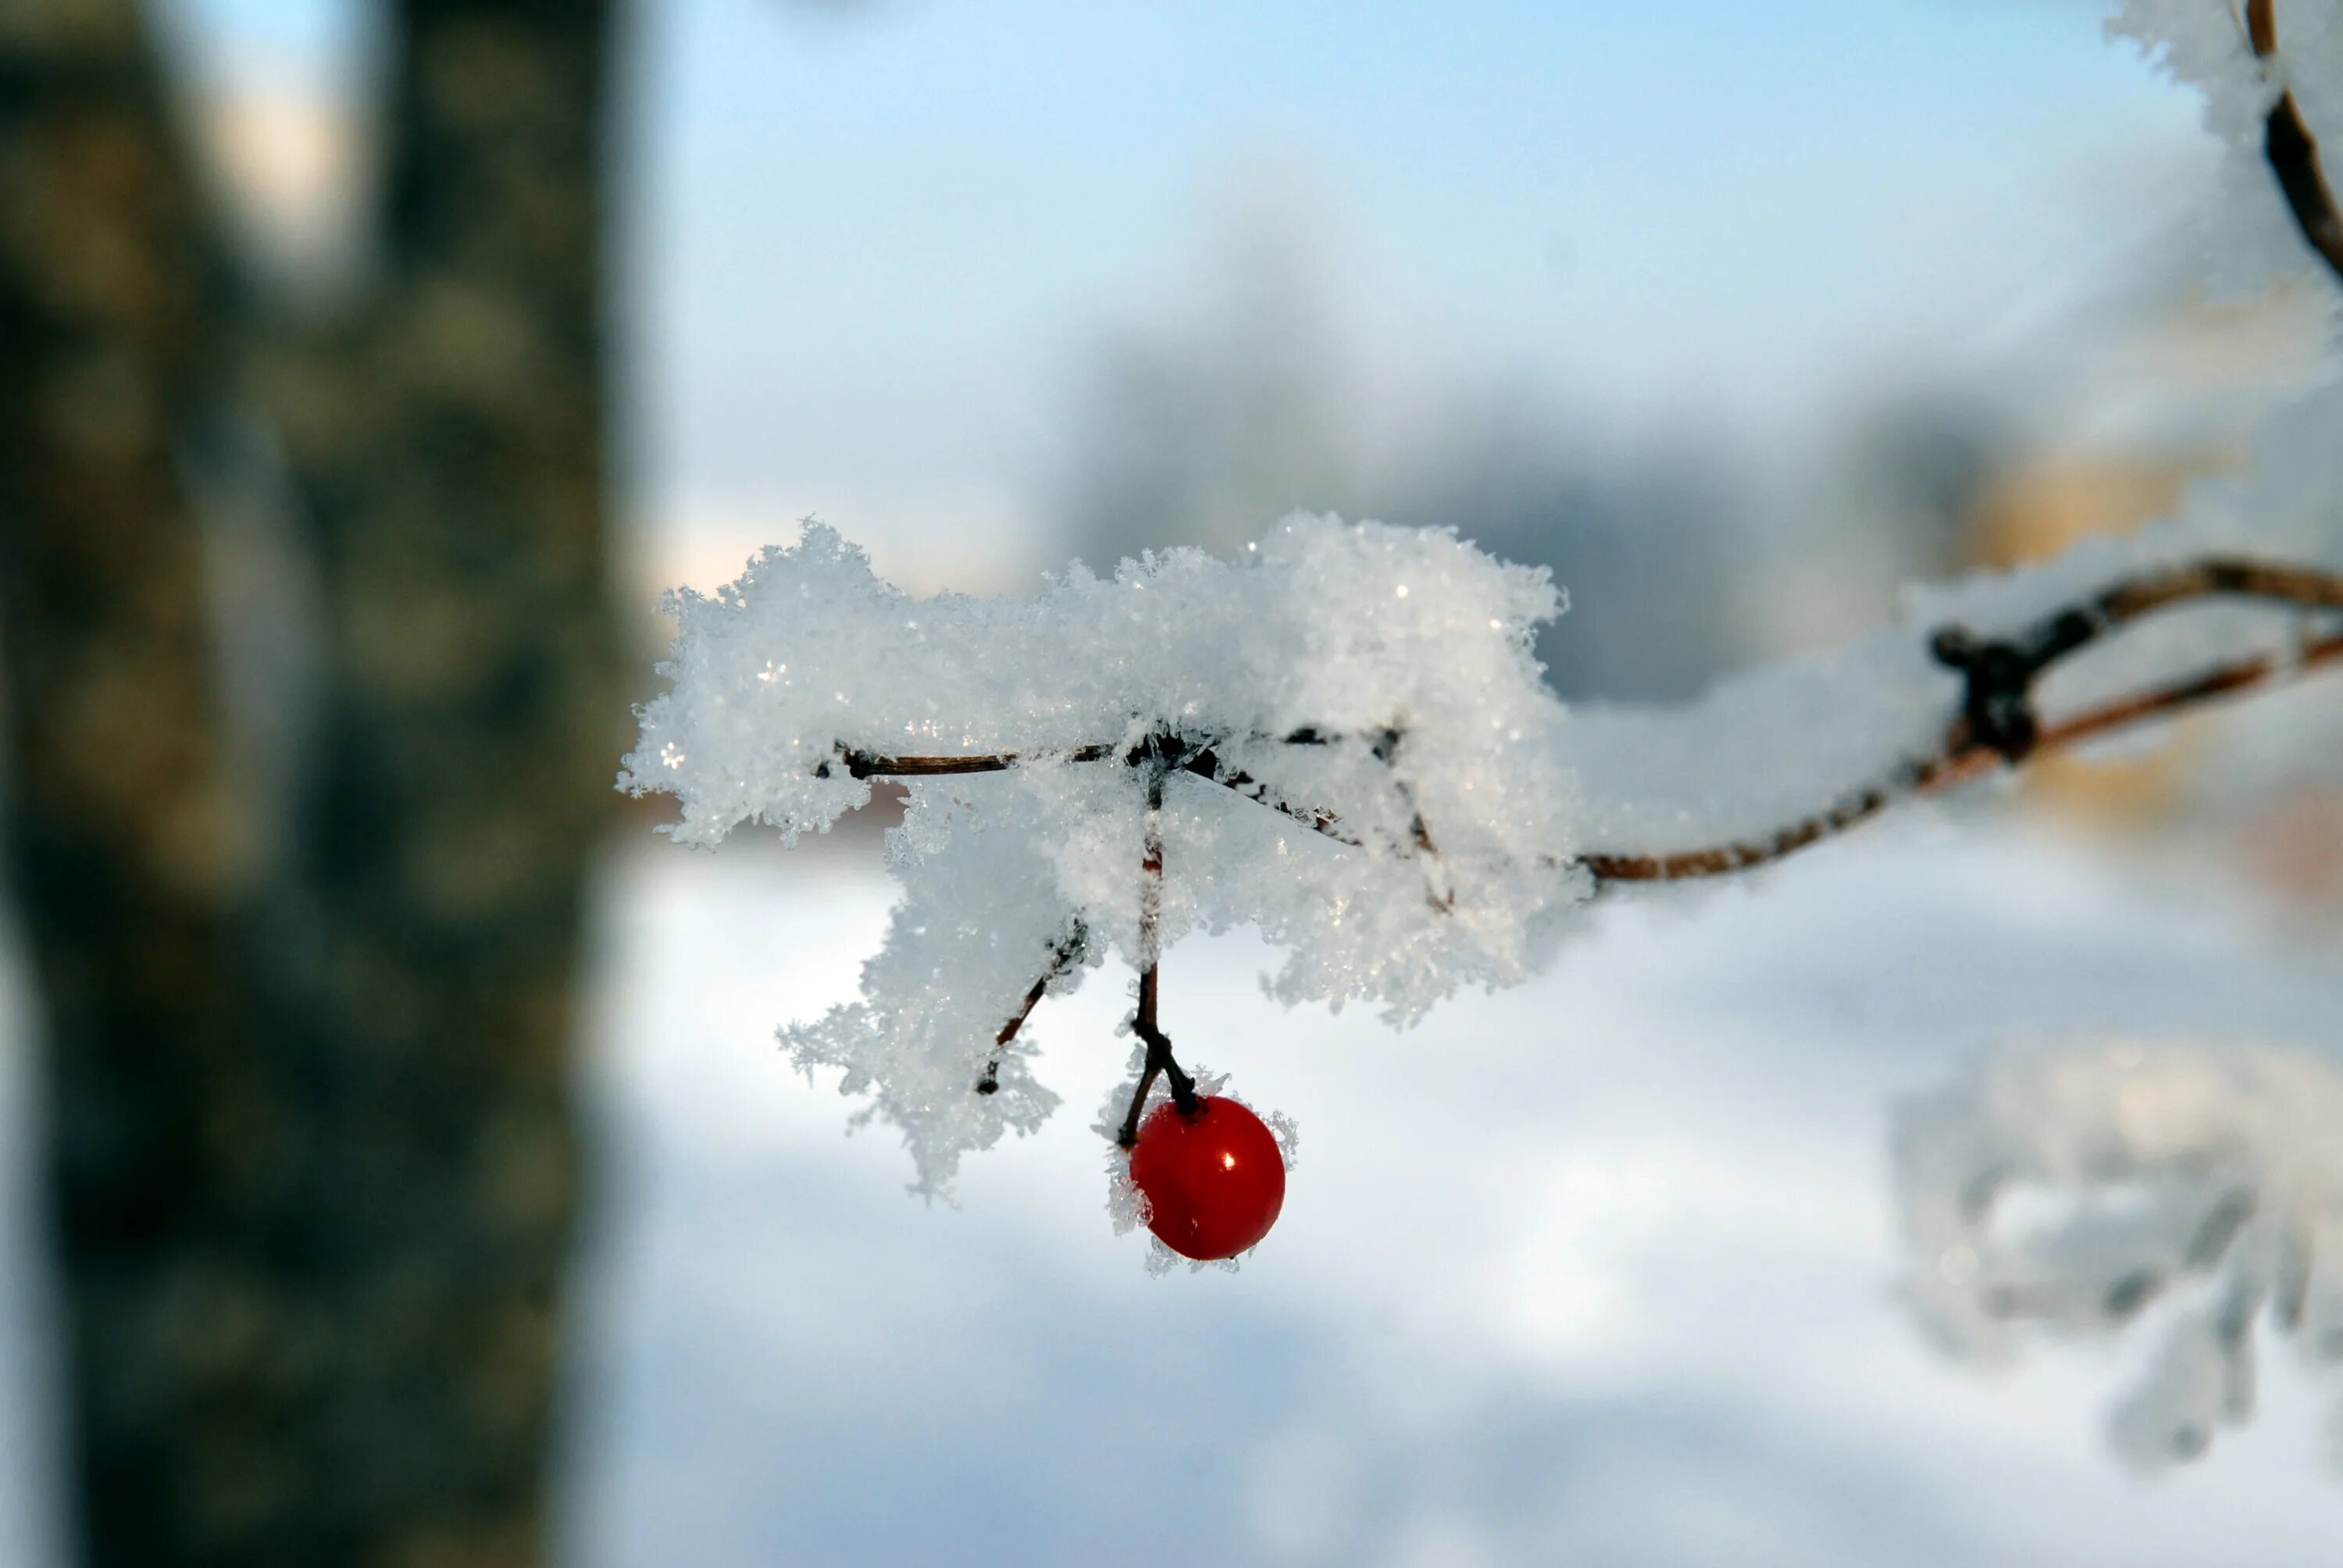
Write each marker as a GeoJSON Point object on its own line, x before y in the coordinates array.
{"type": "Point", "coordinates": [1997, 727]}
{"type": "Point", "coordinates": [1151, 917]}
{"type": "Point", "coordinates": [1151, 888]}
{"type": "Point", "coordinates": [1206, 765]}
{"type": "Point", "coordinates": [1720, 859]}
{"type": "Point", "coordinates": [872, 765]}
{"type": "Point", "coordinates": [1062, 956]}
{"type": "Point", "coordinates": [1967, 756]}
{"type": "Point", "coordinates": [2222, 681]}
{"type": "Point", "coordinates": [1419, 833]}
{"type": "Point", "coordinates": [2292, 151]}
{"type": "Point", "coordinates": [2216, 576]}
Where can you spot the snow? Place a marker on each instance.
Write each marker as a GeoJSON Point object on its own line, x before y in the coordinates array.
{"type": "Point", "coordinates": [1404, 652]}
{"type": "Point", "coordinates": [1602, 1269]}
{"type": "Point", "coordinates": [2248, 242]}
{"type": "Point", "coordinates": [2075, 1186]}
{"type": "Point", "coordinates": [1463, 792]}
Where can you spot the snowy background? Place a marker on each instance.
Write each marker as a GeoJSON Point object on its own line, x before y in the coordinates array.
{"type": "Point", "coordinates": [1728, 312]}
{"type": "Point", "coordinates": [1597, 1271]}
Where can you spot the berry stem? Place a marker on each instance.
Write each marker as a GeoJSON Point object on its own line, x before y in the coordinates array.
{"type": "Point", "coordinates": [1151, 916]}
{"type": "Point", "coordinates": [1159, 1060]}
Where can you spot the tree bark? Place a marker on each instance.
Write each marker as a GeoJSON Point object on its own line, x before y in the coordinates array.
{"type": "Point", "coordinates": [313, 1161]}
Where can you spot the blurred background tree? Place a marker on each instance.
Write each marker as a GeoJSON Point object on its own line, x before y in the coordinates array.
{"type": "Point", "coordinates": [312, 1159]}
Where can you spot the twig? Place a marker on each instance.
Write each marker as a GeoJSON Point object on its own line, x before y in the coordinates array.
{"type": "Point", "coordinates": [1062, 956]}
{"type": "Point", "coordinates": [2292, 151]}
{"type": "Point", "coordinates": [1995, 727]}
{"type": "Point", "coordinates": [1151, 916]}
{"type": "Point", "coordinates": [1206, 765]}
{"type": "Point", "coordinates": [1719, 859]}
{"type": "Point", "coordinates": [1167, 749]}
{"type": "Point", "coordinates": [2219, 681]}
{"type": "Point", "coordinates": [872, 765]}
{"type": "Point", "coordinates": [1989, 735]}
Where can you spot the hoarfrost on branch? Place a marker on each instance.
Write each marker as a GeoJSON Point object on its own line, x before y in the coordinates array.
{"type": "Point", "coordinates": [1351, 743]}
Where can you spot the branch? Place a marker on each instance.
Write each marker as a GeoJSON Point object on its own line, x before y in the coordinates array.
{"type": "Point", "coordinates": [1996, 726]}
{"type": "Point", "coordinates": [2293, 152]}
{"type": "Point", "coordinates": [1151, 916]}
{"type": "Point", "coordinates": [1062, 957]}
{"type": "Point", "coordinates": [2217, 1161]}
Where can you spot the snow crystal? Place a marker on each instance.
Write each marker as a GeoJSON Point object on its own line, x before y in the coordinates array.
{"type": "Point", "coordinates": [955, 969]}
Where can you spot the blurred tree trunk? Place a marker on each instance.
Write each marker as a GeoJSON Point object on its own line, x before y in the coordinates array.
{"type": "Point", "coordinates": [313, 1164]}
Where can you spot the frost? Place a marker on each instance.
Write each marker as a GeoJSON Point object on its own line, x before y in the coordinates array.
{"type": "Point", "coordinates": [2083, 1189]}
{"type": "Point", "coordinates": [2248, 240]}
{"type": "Point", "coordinates": [1383, 784]}
{"type": "Point", "coordinates": [1402, 655]}
{"type": "Point", "coordinates": [1356, 753]}
{"type": "Point", "coordinates": [954, 971]}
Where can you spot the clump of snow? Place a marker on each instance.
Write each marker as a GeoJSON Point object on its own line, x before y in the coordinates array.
{"type": "Point", "coordinates": [1404, 653]}
{"type": "Point", "coordinates": [2083, 1189]}
{"type": "Point", "coordinates": [954, 969]}
{"type": "Point", "coordinates": [1379, 675]}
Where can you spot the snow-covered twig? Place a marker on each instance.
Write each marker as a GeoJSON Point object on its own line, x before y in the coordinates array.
{"type": "Point", "coordinates": [1145, 1022]}
{"type": "Point", "coordinates": [2293, 152]}
{"type": "Point", "coordinates": [1998, 724]}
{"type": "Point", "coordinates": [1374, 687]}
{"type": "Point", "coordinates": [1063, 957]}
{"type": "Point", "coordinates": [2079, 1189]}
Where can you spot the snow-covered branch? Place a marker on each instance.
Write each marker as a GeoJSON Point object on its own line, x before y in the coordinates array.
{"type": "Point", "coordinates": [1435, 813]}
{"type": "Point", "coordinates": [1342, 737]}
{"type": "Point", "coordinates": [2292, 151]}
{"type": "Point", "coordinates": [2083, 1189]}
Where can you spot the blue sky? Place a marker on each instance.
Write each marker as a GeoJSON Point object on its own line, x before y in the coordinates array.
{"type": "Point", "coordinates": [895, 231]}
{"type": "Point", "coordinates": [867, 246]}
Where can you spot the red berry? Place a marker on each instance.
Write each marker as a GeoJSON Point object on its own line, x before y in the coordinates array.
{"type": "Point", "coordinates": [1213, 1181]}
